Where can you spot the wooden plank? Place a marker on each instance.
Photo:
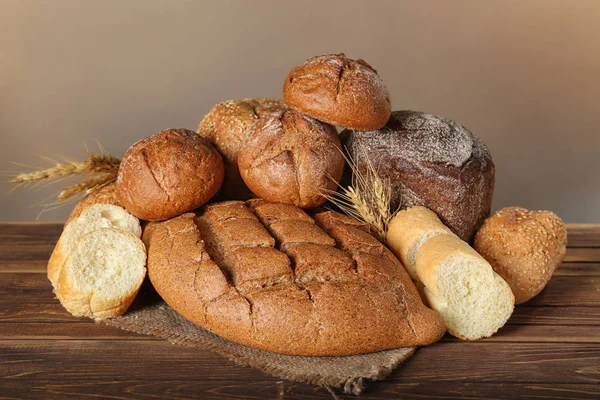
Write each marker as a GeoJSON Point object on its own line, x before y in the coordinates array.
{"type": "Point", "coordinates": [466, 362]}
{"type": "Point", "coordinates": [125, 389]}
{"type": "Point", "coordinates": [74, 330]}
{"type": "Point", "coordinates": [565, 316]}
{"type": "Point", "coordinates": [583, 254]}
{"type": "Point", "coordinates": [575, 269]}
{"type": "Point", "coordinates": [81, 329]}
{"type": "Point", "coordinates": [583, 235]}
{"type": "Point", "coordinates": [28, 297]}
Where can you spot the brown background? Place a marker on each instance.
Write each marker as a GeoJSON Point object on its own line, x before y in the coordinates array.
{"type": "Point", "coordinates": [523, 75]}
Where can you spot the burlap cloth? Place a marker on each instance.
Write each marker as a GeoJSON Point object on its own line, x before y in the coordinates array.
{"type": "Point", "coordinates": [150, 315]}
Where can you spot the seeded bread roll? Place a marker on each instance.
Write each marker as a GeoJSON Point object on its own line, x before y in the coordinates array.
{"type": "Point", "coordinates": [291, 158]}
{"type": "Point", "coordinates": [270, 276]}
{"type": "Point", "coordinates": [104, 195]}
{"type": "Point", "coordinates": [167, 174]}
{"type": "Point", "coordinates": [340, 91]}
{"type": "Point", "coordinates": [524, 247]}
{"type": "Point", "coordinates": [457, 282]}
{"type": "Point", "coordinates": [430, 161]}
{"type": "Point", "coordinates": [225, 127]}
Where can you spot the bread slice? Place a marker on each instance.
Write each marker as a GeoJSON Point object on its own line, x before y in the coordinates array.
{"type": "Point", "coordinates": [102, 275]}
{"type": "Point", "coordinates": [457, 282]}
{"type": "Point", "coordinates": [93, 217]}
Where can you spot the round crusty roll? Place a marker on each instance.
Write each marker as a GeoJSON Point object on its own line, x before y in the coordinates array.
{"type": "Point", "coordinates": [433, 162]}
{"type": "Point", "coordinates": [167, 174]}
{"type": "Point", "coordinates": [340, 91]}
{"type": "Point", "coordinates": [270, 276]}
{"type": "Point", "coordinates": [225, 127]}
{"type": "Point", "coordinates": [524, 247]}
{"type": "Point", "coordinates": [291, 158]}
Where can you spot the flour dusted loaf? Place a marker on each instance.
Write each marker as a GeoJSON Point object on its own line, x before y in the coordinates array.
{"type": "Point", "coordinates": [169, 173]}
{"type": "Point", "coordinates": [340, 91]}
{"type": "Point", "coordinates": [433, 162]}
{"type": "Point", "coordinates": [457, 282]}
{"type": "Point", "coordinates": [90, 218]}
{"type": "Point", "coordinates": [291, 158]}
{"type": "Point", "coordinates": [225, 127]}
{"type": "Point", "coordinates": [270, 276]}
{"type": "Point", "coordinates": [524, 247]}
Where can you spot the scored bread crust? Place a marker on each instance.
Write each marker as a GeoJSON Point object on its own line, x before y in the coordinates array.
{"type": "Point", "coordinates": [226, 126]}
{"type": "Point", "coordinates": [340, 91]}
{"type": "Point", "coordinates": [82, 303]}
{"type": "Point", "coordinates": [270, 276]}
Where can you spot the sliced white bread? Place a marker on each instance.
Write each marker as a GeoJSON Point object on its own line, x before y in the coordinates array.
{"type": "Point", "coordinates": [458, 283]}
{"type": "Point", "coordinates": [102, 275]}
{"type": "Point", "coordinates": [93, 217]}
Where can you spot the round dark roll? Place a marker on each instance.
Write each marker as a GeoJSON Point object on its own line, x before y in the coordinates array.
{"type": "Point", "coordinates": [291, 158]}
{"type": "Point", "coordinates": [339, 91]}
{"type": "Point", "coordinates": [431, 161]}
{"type": "Point", "coordinates": [167, 174]}
{"type": "Point", "coordinates": [225, 127]}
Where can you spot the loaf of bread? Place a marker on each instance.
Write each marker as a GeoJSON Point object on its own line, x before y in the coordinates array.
{"type": "Point", "coordinates": [433, 162]}
{"type": "Point", "coordinates": [169, 173]}
{"type": "Point", "coordinates": [457, 282]}
{"type": "Point", "coordinates": [524, 247]}
{"type": "Point", "coordinates": [340, 91]}
{"type": "Point", "coordinates": [105, 195]}
{"type": "Point", "coordinates": [225, 127]}
{"type": "Point", "coordinates": [91, 218]}
{"type": "Point", "coordinates": [291, 158]}
{"type": "Point", "coordinates": [102, 275]}
{"type": "Point", "coordinates": [272, 277]}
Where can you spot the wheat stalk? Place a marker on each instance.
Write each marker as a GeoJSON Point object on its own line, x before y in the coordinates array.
{"type": "Point", "coordinates": [101, 169]}
{"type": "Point", "coordinates": [368, 199]}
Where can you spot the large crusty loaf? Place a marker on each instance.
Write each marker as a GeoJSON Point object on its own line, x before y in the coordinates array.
{"type": "Point", "coordinates": [169, 173]}
{"type": "Point", "coordinates": [270, 276]}
{"type": "Point", "coordinates": [433, 162]}
{"type": "Point", "coordinates": [291, 158]}
{"type": "Point", "coordinates": [225, 126]}
{"type": "Point", "coordinates": [458, 283]}
{"type": "Point", "coordinates": [524, 247]}
{"type": "Point", "coordinates": [105, 195]}
{"type": "Point", "coordinates": [340, 91]}
{"type": "Point", "coordinates": [91, 218]}
{"type": "Point", "coordinates": [102, 275]}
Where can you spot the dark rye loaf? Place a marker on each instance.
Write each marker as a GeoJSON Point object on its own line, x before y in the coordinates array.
{"type": "Point", "coordinates": [272, 277]}
{"type": "Point", "coordinates": [430, 161]}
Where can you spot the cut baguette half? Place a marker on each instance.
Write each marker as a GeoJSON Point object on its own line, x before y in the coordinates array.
{"type": "Point", "coordinates": [456, 281]}
{"type": "Point", "coordinates": [93, 217]}
{"type": "Point", "coordinates": [102, 275]}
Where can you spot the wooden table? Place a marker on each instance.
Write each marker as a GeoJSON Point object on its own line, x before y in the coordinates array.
{"type": "Point", "coordinates": [550, 348]}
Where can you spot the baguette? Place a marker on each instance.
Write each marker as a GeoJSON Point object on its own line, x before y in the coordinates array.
{"type": "Point", "coordinates": [458, 283]}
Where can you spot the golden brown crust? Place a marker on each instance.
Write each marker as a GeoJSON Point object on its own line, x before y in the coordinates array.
{"type": "Point", "coordinates": [104, 195]}
{"type": "Point", "coordinates": [524, 247]}
{"type": "Point", "coordinates": [167, 174]}
{"type": "Point", "coordinates": [291, 158]}
{"type": "Point", "coordinates": [340, 91]}
{"type": "Point", "coordinates": [340, 292]}
{"type": "Point", "coordinates": [225, 126]}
